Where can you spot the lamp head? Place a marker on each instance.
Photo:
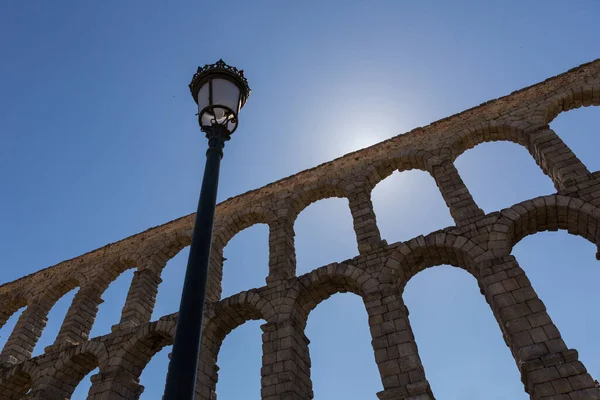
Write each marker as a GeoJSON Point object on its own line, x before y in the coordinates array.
{"type": "Point", "coordinates": [220, 91]}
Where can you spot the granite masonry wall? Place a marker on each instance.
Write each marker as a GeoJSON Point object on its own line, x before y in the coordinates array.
{"type": "Point", "coordinates": [479, 243]}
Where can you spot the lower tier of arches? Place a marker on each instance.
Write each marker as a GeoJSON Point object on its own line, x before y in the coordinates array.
{"type": "Point", "coordinates": [549, 368]}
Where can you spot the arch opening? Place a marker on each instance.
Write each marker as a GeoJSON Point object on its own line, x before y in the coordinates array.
{"type": "Point", "coordinates": [10, 323]}
{"type": "Point", "coordinates": [239, 363]}
{"type": "Point", "coordinates": [324, 234]}
{"type": "Point", "coordinates": [246, 264]}
{"type": "Point", "coordinates": [548, 213]}
{"type": "Point", "coordinates": [113, 299]}
{"type": "Point", "coordinates": [144, 360]}
{"type": "Point", "coordinates": [338, 329]}
{"type": "Point", "coordinates": [564, 272]}
{"type": "Point", "coordinates": [578, 129]}
{"type": "Point", "coordinates": [408, 204]}
{"type": "Point", "coordinates": [154, 375]}
{"type": "Point", "coordinates": [570, 99]}
{"type": "Point", "coordinates": [229, 315]}
{"type": "Point", "coordinates": [171, 287]}
{"type": "Point", "coordinates": [501, 174]}
{"type": "Point", "coordinates": [459, 341]}
{"type": "Point", "coordinates": [55, 317]}
{"type": "Point", "coordinates": [71, 377]}
{"type": "Point", "coordinates": [83, 388]}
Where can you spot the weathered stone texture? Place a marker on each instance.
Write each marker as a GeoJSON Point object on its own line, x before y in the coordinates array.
{"type": "Point", "coordinates": [480, 244]}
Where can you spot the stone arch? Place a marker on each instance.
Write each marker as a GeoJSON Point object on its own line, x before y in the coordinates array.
{"type": "Point", "coordinates": [9, 306]}
{"type": "Point", "coordinates": [453, 190]}
{"type": "Point", "coordinates": [394, 347]}
{"type": "Point", "coordinates": [18, 380]}
{"type": "Point", "coordinates": [309, 290]}
{"type": "Point", "coordinates": [138, 350]}
{"type": "Point", "coordinates": [565, 100]}
{"type": "Point", "coordinates": [514, 304]}
{"type": "Point", "coordinates": [542, 357]}
{"type": "Point", "coordinates": [122, 372]}
{"type": "Point", "coordinates": [437, 248]}
{"type": "Point", "coordinates": [341, 187]}
{"type": "Point", "coordinates": [102, 275]}
{"type": "Point", "coordinates": [55, 291]}
{"type": "Point", "coordinates": [106, 273]}
{"type": "Point", "coordinates": [82, 313]}
{"type": "Point", "coordinates": [403, 160]}
{"type": "Point", "coordinates": [69, 370]}
{"type": "Point", "coordinates": [563, 165]}
{"type": "Point", "coordinates": [305, 195]}
{"type": "Point", "coordinates": [141, 296]}
{"type": "Point", "coordinates": [286, 360]}
{"type": "Point", "coordinates": [31, 323]}
{"type": "Point", "coordinates": [547, 213]}
{"type": "Point", "coordinates": [110, 270]}
{"type": "Point", "coordinates": [227, 314]}
{"type": "Point", "coordinates": [546, 148]}
{"type": "Point", "coordinates": [223, 317]}
{"type": "Point", "coordinates": [228, 226]}
{"type": "Point", "coordinates": [225, 228]}
{"type": "Point", "coordinates": [162, 250]}
{"type": "Point", "coordinates": [350, 185]}
{"type": "Point", "coordinates": [491, 131]}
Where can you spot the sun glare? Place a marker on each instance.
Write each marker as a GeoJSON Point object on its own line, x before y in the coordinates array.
{"type": "Point", "coordinates": [363, 119]}
{"type": "Point", "coordinates": [357, 131]}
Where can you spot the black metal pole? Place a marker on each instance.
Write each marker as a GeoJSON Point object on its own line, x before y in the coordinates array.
{"type": "Point", "coordinates": [181, 378]}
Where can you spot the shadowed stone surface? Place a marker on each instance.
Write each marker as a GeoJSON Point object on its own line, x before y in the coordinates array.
{"type": "Point", "coordinates": [480, 244]}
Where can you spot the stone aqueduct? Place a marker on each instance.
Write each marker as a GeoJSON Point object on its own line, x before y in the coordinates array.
{"type": "Point", "coordinates": [479, 243]}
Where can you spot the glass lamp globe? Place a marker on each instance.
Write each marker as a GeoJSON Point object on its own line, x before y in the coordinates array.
{"type": "Point", "coordinates": [220, 91]}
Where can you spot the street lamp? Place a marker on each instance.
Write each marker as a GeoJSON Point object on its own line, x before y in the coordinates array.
{"type": "Point", "coordinates": [220, 91]}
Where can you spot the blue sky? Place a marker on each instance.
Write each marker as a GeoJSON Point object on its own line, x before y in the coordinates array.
{"type": "Point", "coordinates": [99, 141]}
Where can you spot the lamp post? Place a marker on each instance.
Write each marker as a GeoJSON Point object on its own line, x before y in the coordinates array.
{"type": "Point", "coordinates": [220, 91]}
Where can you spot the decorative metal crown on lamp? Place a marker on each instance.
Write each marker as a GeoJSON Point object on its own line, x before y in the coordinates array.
{"type": "Point", "coordinates": [220, 91]}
